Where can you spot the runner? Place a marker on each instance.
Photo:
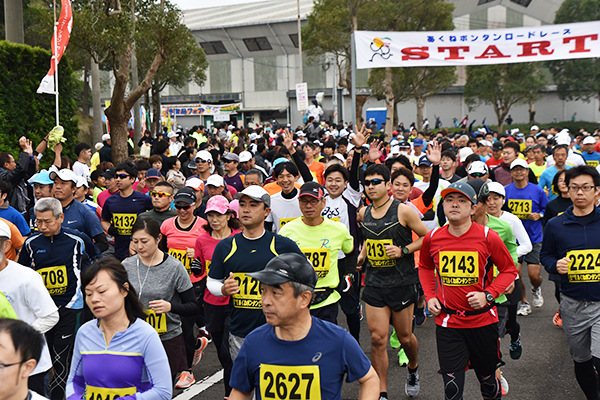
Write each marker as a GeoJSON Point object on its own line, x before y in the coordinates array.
{"type": "Point", "coordinates": [571, 240]}
{"type": "Point", "coordinates": [390, 277]}
{"type": "Point", "coordinates": [161, 201]}
{"type": "Point", "coordinates": [457, 277]}
{"type": "Point", "coordinates": [164, 289]}
{"type": "Point", "coordinates": [117, 354]}
{"type": "Point", "coordinates": [321, 240]}
{"type": "Point", "coordinates": [295, 352]}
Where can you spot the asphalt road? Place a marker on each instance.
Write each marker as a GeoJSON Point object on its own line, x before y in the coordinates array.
{"type": "Point", "coordinates": [544, 372]}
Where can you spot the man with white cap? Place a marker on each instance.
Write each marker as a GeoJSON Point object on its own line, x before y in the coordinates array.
{"type": "Point", "coordinates": [590, 156]}
{"type": "Point", "coordinates": [534, 130]}
{"type": "Point", "coordinates": [174, 144]}
{"type": "Point", "coordinates": [247, 162]}
{"type": "Point", "coordinates": [477, 169]}
{"type": "Point", "coordinates": [204, 165]}
{"type": "Point", "coordinates": [528, 202]}
{"type": "Point", "coordinates": [484, 150]}
{"type": "Point", "coordinates": [215, 186]}
{"type": "Point", "coordinates": [106, 150]}
{"type": "Point", "coordinates": [574, 159]}
{"type": "Point", "coordinates": [248, 251]}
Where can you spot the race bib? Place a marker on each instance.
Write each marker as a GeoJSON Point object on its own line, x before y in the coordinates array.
{"type": "Point", "coordinates": [584, 266]}
{"type": "Point", "coordinates": [55, 279]}
{"type": "Point", "coordinates": [158, 321]}
{"type": "Point", "coordinates": [520, 208]}
{"type": "Point", "coordinates": [181, 255]}
{"type": "Point", "coordinates": [592, 163]}
{"type": "Point", "coordinates": [207, 266]}
{"type": "Point", "coordinates": [459, 268]}
{"type": "Point", "coordinates": [377, 255]}
{"type": "Point", "coordinates": [249, 295]}
{"type": "Point", "coordinates": [97, 393]}
{"type": "Point", "coordinates": [319, 258]}
{"type": "Point", "coordinates": [284, 221]}
{"type": "Point", "coordinates": [301, 382]}
{"type": "Point", "coordinates": [336, 219]}
{"type": "Point", "coordinates": [124, 223]}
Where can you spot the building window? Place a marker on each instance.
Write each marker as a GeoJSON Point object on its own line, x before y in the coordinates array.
{"type": "Point", "coordinates": [482, 2]}
{"type": "Point", "coordinates": [294, 39]}
{"type": "Point", "coordinates": [216, 47]}
{"type": "Point", "coordinates": [220, 76]}
{"type": "Point", "coordinates": [524, 3]}
{"type": "Point", "coordinates": [265, 74]}
{"type": "Point", "coordinates": [258, 44]}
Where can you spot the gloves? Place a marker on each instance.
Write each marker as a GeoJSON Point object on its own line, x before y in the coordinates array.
{"type": "Point", "coordinates": [348, 279]}
{"type": "Point", "coordinates": [196, 266]}
{"type": "Point", "coordinates": [112, 231]}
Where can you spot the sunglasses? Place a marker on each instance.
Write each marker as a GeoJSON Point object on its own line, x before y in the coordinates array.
{"type": "Point", "coordinates": [160, 194]}
{"type": "Point", "coordinates": [199, 160]}
{"type": "Point", "coordinates": [122, 176]}
{"type": "Point", "coordinates": [228, 161]}
{"type": "Point", "coordinates": [374, 182]}
{"type": "Point", "coordinates": [477, 174]}
{"type": "Point", "coordinates": [184, 207]}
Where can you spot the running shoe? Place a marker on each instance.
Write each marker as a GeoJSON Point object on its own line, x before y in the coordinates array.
{"type": "Point", "coordinates": [557, 319]}
{"type": "Point", "coordinates": [382, 397]}
{"type": "Point", "coordinates": [504, 384]}
{"type": "Point", "coordinates": [185, 380]}
{"type": "Point", "coordinates": [516, 349]}
{"type": "Point", "coordinates": [412, 383]}
{"type": "Point", "coordinates": [201, 343]}
{"type": "Point", "coordinates": [205, 333]}
{"type": "Point", "coordinates": [394, 342]}
{"type": "Point", "coordinates": [525, 309]}
{"type": "Point", "coordinates": [538, 299]}
{"type": "Point", "coordinates": [420, 316]}
{"type": "Point", "coordinates": [402, 358]}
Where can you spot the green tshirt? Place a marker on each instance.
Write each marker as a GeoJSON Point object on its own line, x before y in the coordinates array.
{"type": "Point", "coordinates": [6, 310]}
{"type": "Point", "coordinates": [537, 170]}
{"type": "Point", "coordinates": [505, 232]}
{"type": "Point", "coordinates": [321, 245]}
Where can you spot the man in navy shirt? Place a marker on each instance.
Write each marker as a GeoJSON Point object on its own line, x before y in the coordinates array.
{"type": "Point", "coordinates": [295, 353]}
{"type": "Point", "coordinates": [121, 210]}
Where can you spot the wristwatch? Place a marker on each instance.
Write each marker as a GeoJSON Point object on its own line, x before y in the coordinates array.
{"type": "Point", "coordinates": [404, 251]}
{"type": "Point", "coordinates": [488, 296]}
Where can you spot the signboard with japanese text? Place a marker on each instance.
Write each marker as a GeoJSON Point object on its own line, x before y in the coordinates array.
{"type": "Point", "coordinates": [302, 96]}
{"type": "Point", "coordinates": [200, 109]}
{"type": "Point", "coordinates": [375, 49]}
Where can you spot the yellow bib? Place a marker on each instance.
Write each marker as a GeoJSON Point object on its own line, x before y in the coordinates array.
{"type": "Point", "coordinates": [124, 222]}
{"type": "Point", "coordinates": [284, 221]}
{"type": "Point", "coordinates": [584, 266]}
{"type": "Point", "coordinates": [158, 321]}
{"type": "Point", "coordinates": [319, 259]}
{"type": "Point", "coordinates": [97, 393]}
{"type": "Point", "coordinates": [377, 255]}
{"type": "Point", "coordinates": [249, 295]}
{"type": "Point", "coordinates": [520, 208]}
{"type": "Point", "coordinates": [55, 279]}
{"type": "Point", "coordinates": [298, 382]}
{"type": "Point", "coordinates": [459, 268]}
{"type": "Point", "coordinates": [181, 255]}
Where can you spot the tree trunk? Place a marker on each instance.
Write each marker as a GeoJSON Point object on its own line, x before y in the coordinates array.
{"type": "Point", "coordinates": [148, 107]}
{"type": "Point", "coordinates": [389, 103]}
{"type": "Point", "coordinates": [85, 101]}
{"type": "Point", "coordinates": [13, 21]}
{"type": "Point", "coordinates": [155, 110]}
{"type": "Point", "coordinates": [360, 102]}
{"type": "Point", "coordinates": [137, 126]}
{"type": "Point", "coordinates": [96, 106]}
{"type": "Point", "coordinates": [420, 106]}
{"type": "Point", "coordinates": [500, 114]}
{"type": "Point", "coordinates": [531, 113]}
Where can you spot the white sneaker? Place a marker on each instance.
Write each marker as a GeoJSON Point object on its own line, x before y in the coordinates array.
{"type": "Point", "coordinates": [504, 384]}
{"type": "Point", "coordinates": [525, 309]}
{"type": "Point", "coordinates": [538, 299]}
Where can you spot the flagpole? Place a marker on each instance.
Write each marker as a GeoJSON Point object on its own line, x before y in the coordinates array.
{"type": "Point", "coordinates": [56, 64]}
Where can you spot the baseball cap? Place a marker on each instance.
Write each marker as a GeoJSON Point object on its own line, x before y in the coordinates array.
{"type": "Point", "coordinates": [402, 143]}
{"type": "Point", "coordinates": [172, 135]}
{"type": "Point", "coordinates": [253, 136]}
{"type": "Point", "coordinates": [312, 189]}
{"type": "Point", "coordinates": [64, 175]}
{"type": "Point", "coordinates": [496, 187]}
{"type": "Point", "coordinates": [497, 146]}
{"type": "Point", "coordinates": [231, 157]}
{"type": "Point", "coordinates": [519, 162]}
{"type": "Point", "coordinates": [192, 164]}
{"type": "Point", "coordinates": [476, 184]}
{"type": "Point", "coordinates": [534, 128]}
{"type": "Point", "coordinates": [109, 173]}
{"type": "Point", "coordinates": [464, 153]}
{"type": "Point", "coordinates": [105, 137]}
{"type": "Point", "coordinates": [462, 188]}
{"type": "Point", "coordinates": [195, 183]}
{"type": "Point", "coordinates": [418, 142]}
{"type": "Point", "coordinates": [204, 155]}
{"type": "Point", "coordinates": [82, 181]}
{"type": "Point", "coordinates": [423, 160]}
{"type": "Point", "coordinates": [5, 232]}
{"type": "Point", "coordinates": [340, 157]}
{"type": "Point", "coordinates": [153, 173]}
{"type": "Point", "coordinates": [215, 180]}
{"type": "Point", "coordinates": [485, 143]}
{"type": "Point", "coordinates": [287, 267]}
{"type": "Point", "coordinates": [255, 193]}
{"type": "Point", "coordinates": [245, 156]}
{"type": "Point", "coordinates": [589, 140]}
{"type": "Point", "coordinates": [185, 195]}
{"type": "Point", "coordinates": [477, 167]}
{"type": "Point", "coordinates": [42, 177]}
{"type": "Point", "coordinates": [218, 204]}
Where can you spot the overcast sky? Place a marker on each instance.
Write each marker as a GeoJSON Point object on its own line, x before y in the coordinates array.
{"type": "Point", "coordinates": [195, 4]}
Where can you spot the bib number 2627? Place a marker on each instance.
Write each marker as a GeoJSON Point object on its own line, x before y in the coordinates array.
{"type": "Point", "coordinates": [301, 382]}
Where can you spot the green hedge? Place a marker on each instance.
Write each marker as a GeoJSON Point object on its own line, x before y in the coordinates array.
{"type": "Point", "coordinates": [573, 127]}
{"type": "Point", "coordinates": [23, 112]}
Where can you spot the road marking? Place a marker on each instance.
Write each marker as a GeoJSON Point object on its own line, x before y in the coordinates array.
{"type": "Point", "coordinates": [200, 386]}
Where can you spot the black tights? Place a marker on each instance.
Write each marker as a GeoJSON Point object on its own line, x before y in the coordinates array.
{"type": "Point", "coordinates": [586, 377]}
{"type": "Point", "coordinates": [454, 385]}
{"type": "Point", "coordinates": [222, 345]}
{"type": "Point", "coordinates": [512, 326]}
{"type": "Point", "coordinates": [557, 290]}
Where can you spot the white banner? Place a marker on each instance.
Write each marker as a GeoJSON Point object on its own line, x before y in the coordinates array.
{"type": "Point", "coordinates": [375, 49]}
{"type": "Point", "coordinates": [302, 96]}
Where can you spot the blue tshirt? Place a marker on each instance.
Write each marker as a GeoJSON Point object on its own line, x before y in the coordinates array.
{"type": "Point", "coordinates": [80, 217]}
{"type": "Point", "coordinates": [545, 181]}
{"type": "Point", "coordinates": [239, 255]}
{"type": "Point", "coordinates": [592, 158]}
{"type": "Point", "coordinates": [522, 202]}
{"type": "Point", "coordinates": [122, 212]}
{"type": "Point", "coordinates": [313, 367]}
{"type": "Point", "coordinates": [12, 215]}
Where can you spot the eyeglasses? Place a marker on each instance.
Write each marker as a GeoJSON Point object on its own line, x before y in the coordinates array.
{"type": "Point", "coordinates": [312, 201]}
{"type": "Point", "coordinates": [585, 188]}
{"type": "Point", "coordinates": [160, 194]}
{"type": "Point", "coordinates": [374, 182]}
{"type": "Point", "coordinates": [199, 160]}
{"type": "Point", "coordinates": [122, 176]}
{"type": "Point", "coordinates": [184, 207]}
{"type": "Point", "coordinates": [2, 366]}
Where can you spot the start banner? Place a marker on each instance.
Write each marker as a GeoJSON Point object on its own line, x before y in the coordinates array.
{"type": "Point", "coordinates": [377, 49]}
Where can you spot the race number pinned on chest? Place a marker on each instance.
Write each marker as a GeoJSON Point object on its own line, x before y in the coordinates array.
{"type": "Point", "coordinates": [158, 321]}
{"type": "Point", "coordinates": [249, 295]}
{"type": "Point", "coordinates": [584, 266]}
{"type": "Point", "coordinates": [55, 279]}
{"type": "Point", "coordinates": [301, 382]}
{"type": "Point", "coordinates": [181, 256]}
{"type": "Point", "coordinates": [459, 268]}
{"type": "Point", "coordinates": [377, 255]}
{"type": "Point", "coordinates": [319, 258]}
{"type": "Point", "coordinates": [283, 221]}
{"type": "Point", "coordinates": [520, 208]}
{"type": "Point", "coordinates": [124, 222]}
{"type": "Point", "coordinates": [98, 393]}
{"type": "Point", "coordinates": [593, 163]}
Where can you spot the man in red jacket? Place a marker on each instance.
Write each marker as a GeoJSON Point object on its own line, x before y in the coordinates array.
{"type": "Point", "coordinates": [457, 275]}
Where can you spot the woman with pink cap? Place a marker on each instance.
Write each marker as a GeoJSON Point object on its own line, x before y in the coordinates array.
{"type": "Point", "coordinates": [222, 223]}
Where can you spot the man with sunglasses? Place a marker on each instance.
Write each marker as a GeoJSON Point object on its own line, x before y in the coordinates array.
{"type": "Point", "coordinates": [121, 210]}
{"type": "Point", "coordinates": [233, 177]}
{"type": "Point", "coordinates": [320, 239]}
{"type": "Point", "coordinates": [161, 201]}
{"type": "Point", "coordinates": [571, 248]}
{"type": "Point", "coordinates": [477, 170]}
{"type": "Point", "coordinates": [391, 278]}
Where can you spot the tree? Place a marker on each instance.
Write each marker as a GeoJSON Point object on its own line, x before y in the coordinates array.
{"type": "Point", "coordinates": [107, 33]}
{"type": "Point", "coordinates": [577, 79]}
{"type": "Point", "coordinates": [503, 86]}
